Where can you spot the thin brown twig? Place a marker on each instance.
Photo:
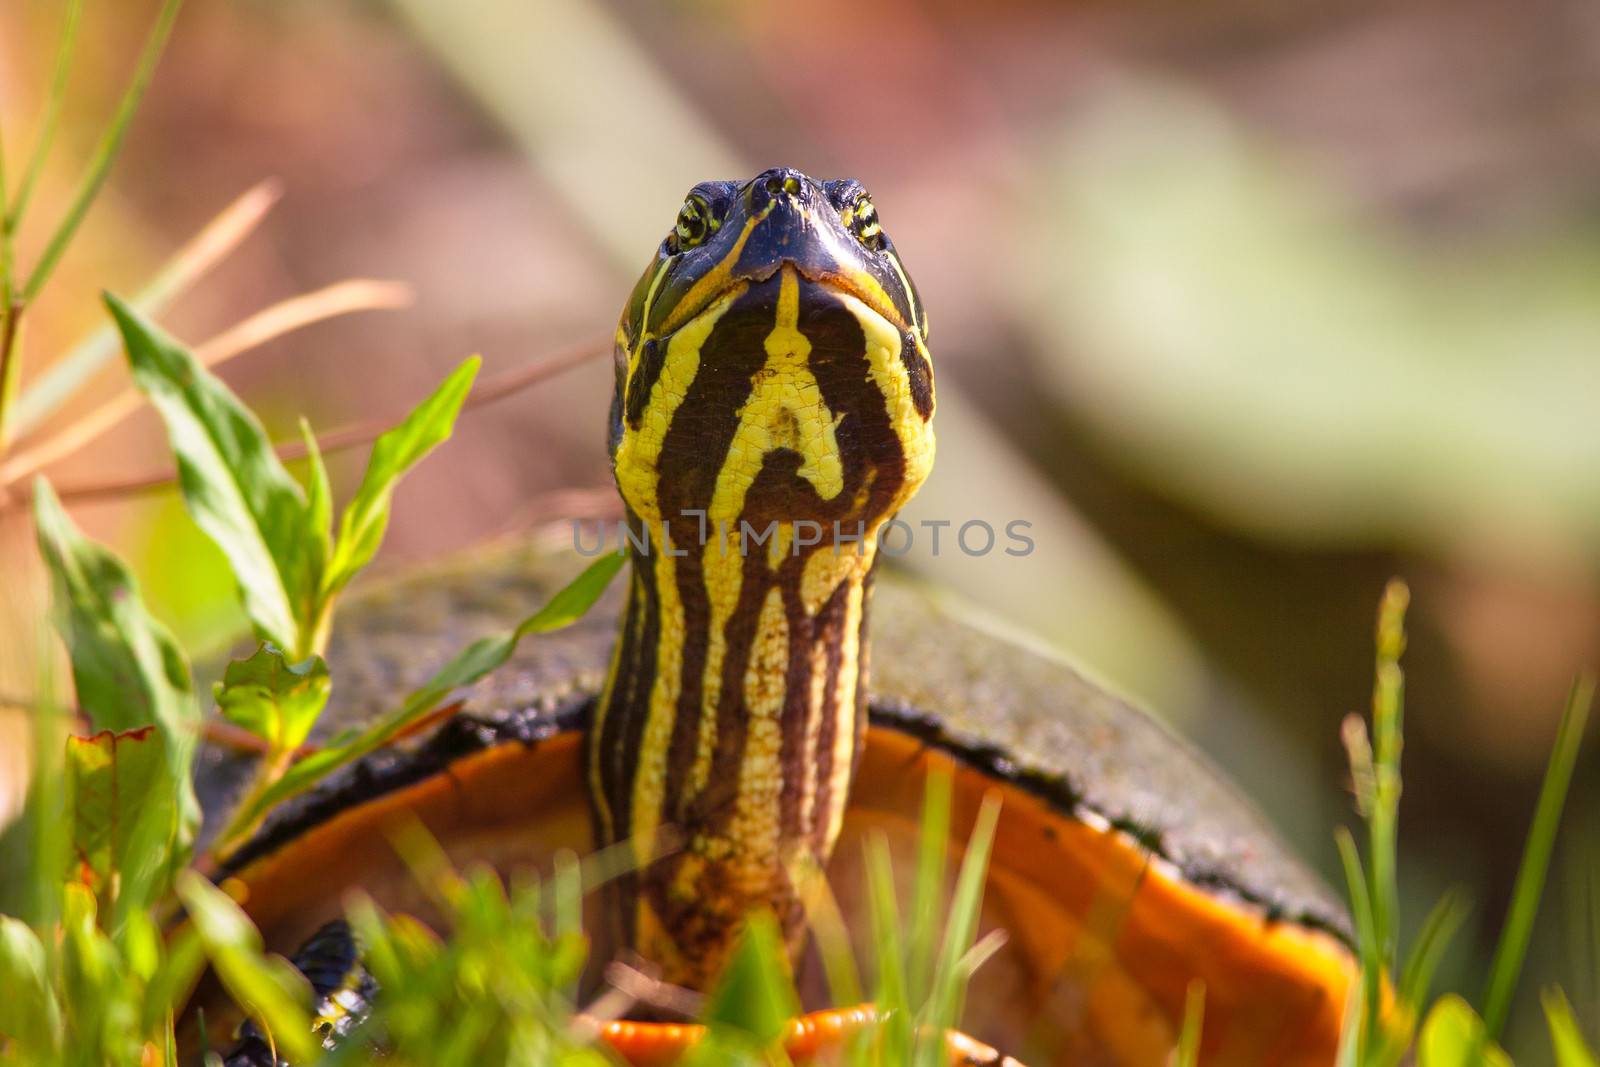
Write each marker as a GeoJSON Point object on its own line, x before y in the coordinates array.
{"type": "Point", "coordinates": [224, 233]}
{"type": "Point", "coordinates": [428, 721]}
{"type": "Point", "coordinates": [631, 983]}
{"type": "Point", "coordinates": [341, 298]}
{"type": "Point", "coordinates": [580, 502]}
{"type": "Point", "coordinates": [198, 256]}
{"type": "Point", "coordinates": [346, 437]}
{"type": "Point", "coordinates": [490, 390]}
{"type": "Point", "coordinates": [640, 982]}
{"type": "Point", "coordinates": [224, 734]}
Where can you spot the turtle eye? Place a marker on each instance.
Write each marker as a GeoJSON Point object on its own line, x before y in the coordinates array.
{"type": "Point", "coordinates": [695, 223]}
{"type": "Point", "coordinates": [862, 218]}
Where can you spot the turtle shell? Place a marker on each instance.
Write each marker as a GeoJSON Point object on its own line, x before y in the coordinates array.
{"type": "Point", "coordinates": [1125, 866]}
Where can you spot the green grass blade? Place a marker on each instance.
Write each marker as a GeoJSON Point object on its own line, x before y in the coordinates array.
{"type": "Point", "coordinates": [5, 268]}
{"type": "Point", "coordinates": [5, 237]}
{"type": "Point", "coordinates": [961, 923]}
{"type": "Point", "coordinates": [1583, 922]}
{"type": "Point", "coordinates": [754, 993]}
{"type": "Point", "coordinates": [1367, 945]}
{"type": "Point", "coordinates": [52, 115]}
{"type": "Point", "coordinates": [567, 905]}
{"type": "Point", "coordinates": [567, 894]}
{"type": "Point", "coordinates": [1565, 1036]}
{"type": "Point", "coordinates": [889, 951]}
{"type": "Point", "coordinates": [1194, 1010]}
{"type": "Point", "coordinates": [928, 891]}
{"type": "Point", "coordinates": [169, 1044]}
{"type": "Point", "coordinates": [828, 930]}
{"type": "Point", "coordinates": [1529, 887]}
{"type": "Point", "coordinates": [1351, 1030]}
{"type": "Point", "coordinates": [105, 153]}
{"type": "Point", "coordinates": [1432, 940]}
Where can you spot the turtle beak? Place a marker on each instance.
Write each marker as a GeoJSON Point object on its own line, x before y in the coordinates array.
{"type": "Point", "coordinates": [790, 230]}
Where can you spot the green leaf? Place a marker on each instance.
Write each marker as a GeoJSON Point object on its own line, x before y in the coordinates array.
{"type": "Point", "coordinates": [268, 989]}
{"type": "Point", "coordinates": [141, 947]}
{"type": "Point", "coordinates": [274, 699]}
{"type": "Point", "coordinates": [91, 984]}
{"type": "Point", "coordinates": [365, 519]}
{"type": "Point", "coordinates": [123, 816]}
{"type": "Point", "coordinates": [319, 496]}
{"type": "Point", "coordinates": [128, 670]}
{"type": "Point", "coordinates": [472, 663]}
{"type": "Point", "coordinates": [1454, 1036]}
{"type": "Point", "coordinates": [755, 993]}
{"type": "Point", "coordinates": [1529, 886]}
{"type": "Point", "coordinates": [29, 1013]}
{"type": "Point", "coordinates": [183, 963]}
{"type": "Point", "coordinates": [1570, 1048]}
{"type": "Point", "coordinates": [232, 481]}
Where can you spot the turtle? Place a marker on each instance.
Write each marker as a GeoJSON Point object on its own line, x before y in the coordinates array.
{"type": "Point", "coordinates": [724, 713]}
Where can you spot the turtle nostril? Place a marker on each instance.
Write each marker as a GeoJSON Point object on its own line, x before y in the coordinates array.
{"type": "Point", "coordinates": [781, 183]}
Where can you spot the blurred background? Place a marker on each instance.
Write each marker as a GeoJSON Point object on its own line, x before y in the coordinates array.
{"type": "Point", "coordinates": [1246, 309]}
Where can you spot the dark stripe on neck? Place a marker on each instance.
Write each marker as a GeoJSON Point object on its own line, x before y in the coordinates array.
{"type": "Point", "coordinates": [831, 625]}
{"type": "Point", "coordinates": [920, 374]}
{"type": "Point", "coordinates": [622, 726]}
{"type": "Point", "coordinates": [652, 357]}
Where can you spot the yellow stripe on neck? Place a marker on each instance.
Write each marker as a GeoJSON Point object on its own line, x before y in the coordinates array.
{"type": "Point", "coordinates": [785, 409]}
{"type": "Point", "coordinates": [638, 471]}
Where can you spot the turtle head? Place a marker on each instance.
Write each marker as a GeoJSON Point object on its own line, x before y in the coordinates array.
{"type": "Point", "coordinates": [772, 362]}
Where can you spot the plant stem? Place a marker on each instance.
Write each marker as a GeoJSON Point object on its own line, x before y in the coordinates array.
{"type": "Point", "coordinates": [106, 152]}
{"type": "Point", "coordinates": [1388, 708]}
{"type": "Point", "coordinates": [8, 311]}
{"type": "Point", "coordinates": [10, 359]}
{"type": "Point", "coordinates": [242, 822]}
{"type": "Point", "coordinates": [52, 114]}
